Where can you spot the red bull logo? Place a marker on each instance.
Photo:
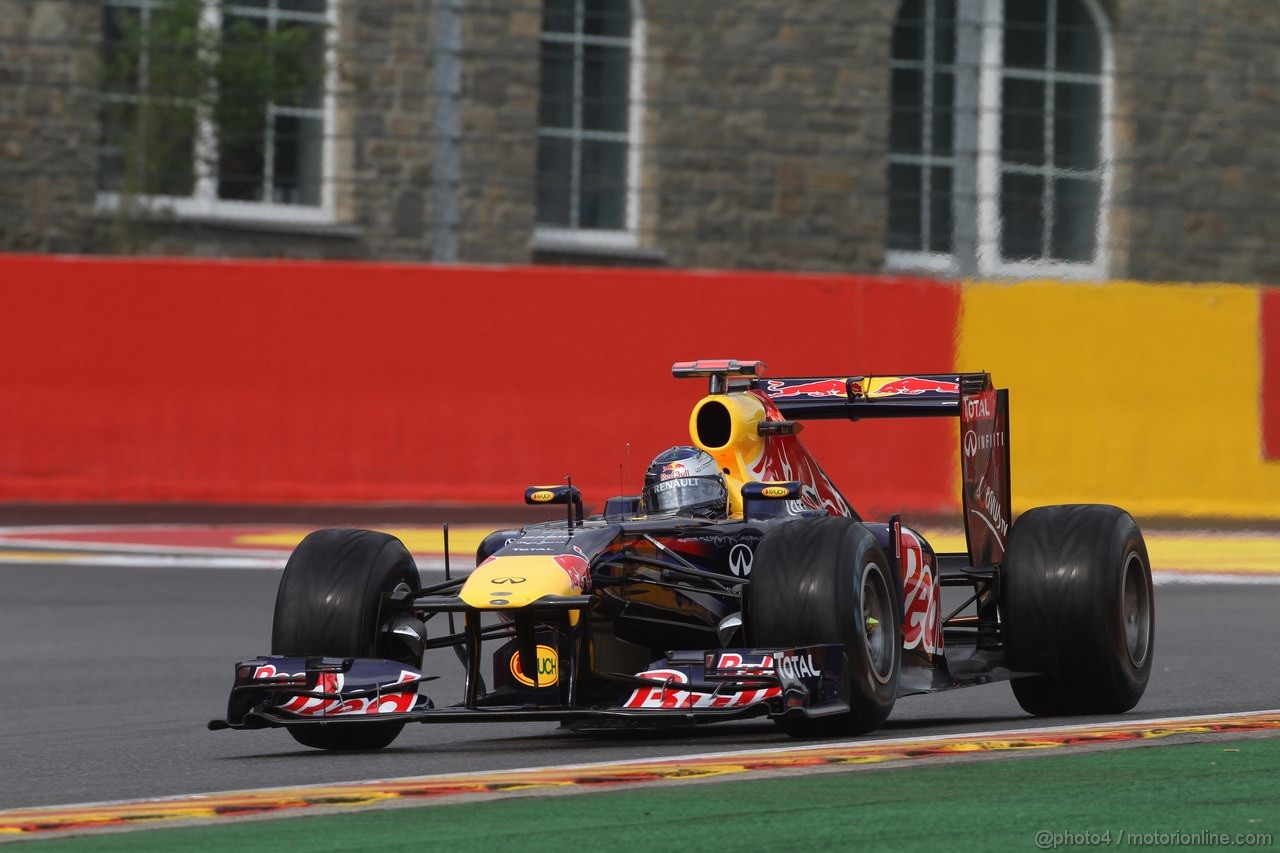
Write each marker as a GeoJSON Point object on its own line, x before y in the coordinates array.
{"type": "Point", "coordinates": [780, 389]}
{"type": "Point", "coordinates": [666, 694]}
{"type": "Point", "coordinates": [911, 386]}
{"type": "Point", "coordinates": [332, 683]}
{"type": "Point", "coordinates": [922, 598]}
{"type": "Point", "coordinates": [672, 470]}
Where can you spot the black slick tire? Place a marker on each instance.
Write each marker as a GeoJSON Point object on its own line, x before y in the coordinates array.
{"type": "Point", "coordinates": [826, 580]}
{"type": "Point", "coordinates": [328, 605]}
{"type": "Point", "coordinates": [1078, 606]}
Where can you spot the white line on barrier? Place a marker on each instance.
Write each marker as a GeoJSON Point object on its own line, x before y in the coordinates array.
{"type": "Point", "coordinates": [157, 557]}
{"type": "Point", "coordinates": [13, 541]}
{"type": "Point", "coordinates": [222, 560]}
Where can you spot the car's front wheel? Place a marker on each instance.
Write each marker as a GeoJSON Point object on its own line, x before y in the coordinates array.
{"type": "Point", "coordinates": [328, 605]}
{"type": "Point", "coordinates": [826, 580]}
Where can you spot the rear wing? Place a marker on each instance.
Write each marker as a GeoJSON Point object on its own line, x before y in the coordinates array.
{"type": "Point", "coordinates": [982, 409]}
{"type": "Point", "coordinates": [923, 395]}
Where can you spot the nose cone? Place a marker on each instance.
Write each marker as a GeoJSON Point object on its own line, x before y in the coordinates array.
{"type": "Point", "coordinates": [512, 582]}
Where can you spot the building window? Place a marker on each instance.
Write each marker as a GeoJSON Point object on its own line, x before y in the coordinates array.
{"type": "Point", "coordinates": [1050, 135]}
{"type": "Point", "coordinates": [921, 153]}
{"type": "Point", "coordinates": [1033, 191]}
{"type": "Point", "coordinates": [588, 121]}
{"type": "Point", "coordinates": [217, 108]}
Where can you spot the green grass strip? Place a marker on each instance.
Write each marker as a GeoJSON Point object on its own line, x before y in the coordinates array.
{"type": "Point", "coordinates": [1223, 787]}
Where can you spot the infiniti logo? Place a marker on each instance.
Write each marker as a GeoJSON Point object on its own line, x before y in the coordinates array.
{"type": "Point", "coordinates": [970, 444]}
{"type": "Point", "coordinates": [507, 580]}
{"type": "Point", "coordinates": [740, 560]}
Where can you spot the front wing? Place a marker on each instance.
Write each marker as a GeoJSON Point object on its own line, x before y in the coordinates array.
{"type": "Point", "coordinates": [685, 688]}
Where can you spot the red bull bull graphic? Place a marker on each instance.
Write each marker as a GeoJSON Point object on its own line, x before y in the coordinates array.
{"type": "Point", "coordinates": [781, 389]}
{"type": "Point", "coordinates": [575, 567]}
{"type": "Point", "coordinates": [785, 459]}
{"type": "Point", "coordinates": [911, 386]}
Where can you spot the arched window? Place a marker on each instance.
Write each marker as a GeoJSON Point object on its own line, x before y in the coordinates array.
{"type": "Point", "coordinates": [588, 121]}
{"type": "Point", "coordinates": [1050, 132]}
{"type": "Point", "coordinates": [999, 147]}
{"type": "Point", "coordinates": [921, 154]}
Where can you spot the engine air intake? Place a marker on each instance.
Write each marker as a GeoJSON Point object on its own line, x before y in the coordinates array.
{"type": "Point", "coordinates": [714, 425]}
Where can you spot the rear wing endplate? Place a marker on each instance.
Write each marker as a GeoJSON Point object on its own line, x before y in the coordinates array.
{"type": "Point", "coordinates": [984, 473]}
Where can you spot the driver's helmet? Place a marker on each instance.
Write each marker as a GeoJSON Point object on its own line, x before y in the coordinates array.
{"type": "Point", "coordinates": [685, 480]}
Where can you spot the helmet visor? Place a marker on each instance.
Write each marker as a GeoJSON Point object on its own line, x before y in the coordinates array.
{"type": "Point", "coordinates": [672, 495]}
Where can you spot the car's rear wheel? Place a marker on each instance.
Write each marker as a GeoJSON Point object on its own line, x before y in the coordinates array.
{"type": "Point", "coordinates": [826, 580]}
{"type": "Point", "coordinates": [1078, 607]}
{"type": "Point", "coordinates": [328, 605]}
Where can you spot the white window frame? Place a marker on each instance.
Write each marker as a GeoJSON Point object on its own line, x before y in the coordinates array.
{"type": "Point", "coordinates": [990, 164]}
{"type": "Point", "coordinates": [561, 239]}
{"type": "Point", "coordinates": [926, 160]}
{"type": "Point", "coordinates": [203, 203]}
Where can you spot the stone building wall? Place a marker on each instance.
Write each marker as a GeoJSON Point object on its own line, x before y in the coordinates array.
{"type": "Point", "coordinates": [48, 129]}
{"type": "Point", "coordinates": [764, 143]}
{"type": "Point", "coordinates": [1198, 110]}
{"type": "Point", "coordinates": [769, 151]}
{"type": "Point", "coordinates": [49, 77]}
{"type": "Point", "coordinates": [499, 139]}
{"type": "Point", "coordinates": [382, 159]}
{"type": "Point", "coordinates": [385, 126]}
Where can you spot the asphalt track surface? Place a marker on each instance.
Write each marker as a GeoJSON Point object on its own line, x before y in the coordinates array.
{"type": "Point", "coordinates": [110, 674]}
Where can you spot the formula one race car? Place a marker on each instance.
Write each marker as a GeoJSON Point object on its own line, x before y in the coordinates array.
{"type": "Point", "coordinates": [784, 603]}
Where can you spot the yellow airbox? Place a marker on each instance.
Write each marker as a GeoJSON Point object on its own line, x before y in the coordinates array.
{"type": "Point", "coordinates": [727, 427]}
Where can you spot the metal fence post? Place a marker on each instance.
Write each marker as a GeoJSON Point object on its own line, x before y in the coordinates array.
{"type": "Point", "coordinates": [964, 175]}
{"type": "Point", "coordinates": [446, 161]}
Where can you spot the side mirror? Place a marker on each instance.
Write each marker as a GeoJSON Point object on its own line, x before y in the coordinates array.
{"type": "Point", "coordinates": [755, 491]}
{"type": "Point", "coordinates": [555, 496]}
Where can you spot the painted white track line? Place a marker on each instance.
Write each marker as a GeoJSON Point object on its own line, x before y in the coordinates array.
{"type": "Point", "coordinates": [77, 554]}
{"type": "Point", "coordinates": [825, 746]}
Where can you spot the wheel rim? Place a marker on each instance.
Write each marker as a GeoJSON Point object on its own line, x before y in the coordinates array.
{"type": "Point", "coordinates": [1136, 611]}
{"type": "Point", "coordinates": [877, 630]}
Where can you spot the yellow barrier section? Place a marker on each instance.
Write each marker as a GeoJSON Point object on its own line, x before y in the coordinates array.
{"type": "Point", "coordinates": [463, 539]}
{"type": "Point", "coordinates": [1140, 395]}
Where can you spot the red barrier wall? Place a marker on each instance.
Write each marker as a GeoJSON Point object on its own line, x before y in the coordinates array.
{"type": "Point", "coordinates": [281, 381]}
{"type": "Point", "coordinates": [1270, 347]}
